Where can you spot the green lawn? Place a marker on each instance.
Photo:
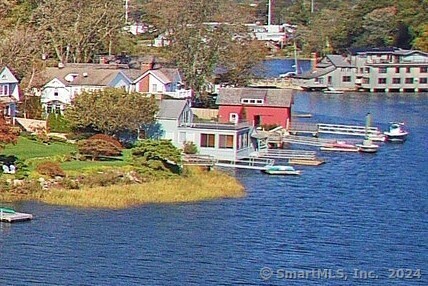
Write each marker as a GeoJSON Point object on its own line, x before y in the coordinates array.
{"type": "Point", "coordinates": [26, 149]}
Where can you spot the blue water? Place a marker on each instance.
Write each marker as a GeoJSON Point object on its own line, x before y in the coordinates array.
{"type": "Point", "coordinates": [272, 68]}
{"type": "Point", "coordinates": [358, 211]}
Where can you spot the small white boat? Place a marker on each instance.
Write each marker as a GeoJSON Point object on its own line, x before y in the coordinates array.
{"type": "Point", "coordinates": [330, 90]}
{"type": "Point", "coordinates": [367, 146]}
{"type": "Point", "coordinates": [396, 132]}
{"type": "Point", "coordinates": [340, 146]}
{"type": "Point", "coordinates": [281, 170]}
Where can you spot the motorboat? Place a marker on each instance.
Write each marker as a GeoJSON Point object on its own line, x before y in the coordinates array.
{"type": "Point", "coordinates": [281, 170]}
{"type": "Point", "coordinates": [396, 132]}
{"type": "Point", "coordinates": [330, 90]}
{"type": "Point", "coordinates": [367, 146]}
{"type": "Point", "coordinates": [340, 146]}
{"type": "Point", "coordinates": [7, 210]}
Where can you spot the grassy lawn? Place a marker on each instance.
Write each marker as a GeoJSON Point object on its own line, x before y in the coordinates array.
{"type": "Point", "coordinates": [26, 149]}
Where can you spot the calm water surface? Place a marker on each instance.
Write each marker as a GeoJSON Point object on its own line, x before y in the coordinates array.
{"type": "Point", "coordinates": [358, 211]}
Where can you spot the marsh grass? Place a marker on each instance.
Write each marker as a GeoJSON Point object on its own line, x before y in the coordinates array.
{"type": "Point", "coordinates": [197, 186]}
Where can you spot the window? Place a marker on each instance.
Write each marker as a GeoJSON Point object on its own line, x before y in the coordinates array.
{"type": "Point", "coordinates": [49, 108]}
{"type": "Point", "coordinates": [207, 140]}
{"type": "Point", "coordinates": [58, 109]}
{"type": "Point", "coordinates": [346, 78]}
{"type": "Point", "coordinates": [226, 142]}
{"type": "Point", "coordinates": [367, 70]}
{"type": "Point", "coordinates": [396, 80]}
{"type": "Point", "coordinates": [366, 80]}
{"type": "Point", "coordinates": [382, 80]}
{"type": "Point", "coordinates": [423, 69]}
{"type": "Point", "coordinates": [382, 70]}
{"type": "Point", "coordinates": [423, 80]}
{"type": "Point", "coordinates": [4, 89]}
{"type": "Point", "coordinates": [56, 92]}
{"type": "Point", "coordinates": [154, 87]}
{"type": "Point", "coordinates": [409, 80]}
{"type": "Point", "coordinates": [252, 101]}
{"type": "Point", "coordinates": [397, 69]}
{"type": "Point", "coordinates": [407, 69]}
{"type": "Point", "coordinates": [233, 117]}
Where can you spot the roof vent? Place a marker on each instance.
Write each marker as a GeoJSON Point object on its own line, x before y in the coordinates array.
{"type": "Point", "coordinates": [60, 65]}
{"type": "Point", "coordinates": [85, 74]}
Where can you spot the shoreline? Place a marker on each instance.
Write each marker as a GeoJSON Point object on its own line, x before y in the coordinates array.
{"type": "Point", "coordinates": [198, 186]}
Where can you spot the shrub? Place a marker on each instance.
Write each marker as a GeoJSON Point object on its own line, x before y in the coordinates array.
{"type": "Point", "coordinates": [97, 148]}
{"type": "Point", "coordinates": [190, 148]}
{"type": "Point", "coordinates": [57, 123]}
{"type": "Point", "coordinates": [51, 169]}
{"type": "Point", "coordinates": [107, 138]}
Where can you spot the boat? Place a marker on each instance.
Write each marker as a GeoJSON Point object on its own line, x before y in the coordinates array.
{"type": "Point", "coordinates": [396, 132]}
{"type": "Point", "coordinates": [7, 210]}
{"type": "Point", "coordinates": [281, 170]}
{"type": "Point", "coordinates": [340, 146]}
{"type": "Point", "coordinates": [330, 90]}
{"type": "Point", "coordinates": [367, 146]}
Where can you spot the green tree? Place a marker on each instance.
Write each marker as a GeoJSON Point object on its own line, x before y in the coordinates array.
{"type": "Point", "coordinates": [97, 148]}
{"type": "Point", "coordinates": [157, 155]}
{"type": "Point", "coordinates": [199, 32]}
{"type": "Point", "coordinates": [111, 111]}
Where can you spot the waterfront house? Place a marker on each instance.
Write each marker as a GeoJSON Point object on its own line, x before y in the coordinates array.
{"type": "Point", "coordinates": [9, 92]}
{"type": "Point", "coordinates": [226, 141]}
{"type": "Point", "coordinates": [67, 81]}
{"type": "Point", "coordinates": [155, 79]}
{"type": "Point", "coordinates": [333, 71]}
{"type": "Point", "coordinates": [372, 69]}
{"type": "Point", "coordinates": [390, 69]}
{"type": "Point", "coordinates": [257, 106]}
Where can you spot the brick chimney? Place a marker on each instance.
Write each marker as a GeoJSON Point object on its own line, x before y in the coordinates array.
{"type": "Point", "coordinates": [147, 63]}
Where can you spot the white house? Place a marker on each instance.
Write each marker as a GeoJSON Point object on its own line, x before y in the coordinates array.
{"type": "Point", "coordinates": [65, 82]}
{"type": "Point", "coordinates": [222, 141]}
{"type": "Point", "coordinates": [9, 92]}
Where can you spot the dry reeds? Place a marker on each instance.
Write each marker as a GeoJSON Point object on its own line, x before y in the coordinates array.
{"type": "Point", "coordinates": [197, 186]}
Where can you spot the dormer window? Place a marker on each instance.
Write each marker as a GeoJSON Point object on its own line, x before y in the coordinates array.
{"type": "Point", "coordinates": [251, 101]}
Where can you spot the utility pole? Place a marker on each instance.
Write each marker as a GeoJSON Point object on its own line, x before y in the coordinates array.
{"type": "Point", "coordinates": [126, 11]}
{"type": "Point", "coordinates": [312, 6]}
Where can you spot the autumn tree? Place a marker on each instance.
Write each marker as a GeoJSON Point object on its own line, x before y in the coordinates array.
{"type": "Point", "coordinates": [7, 134]}
{"type": "Point", "coordinates": [111, 111]}
{"type": "Point", "coordinates": [199, 32]}
{"type": "Point", "coordinates": [74, 31]}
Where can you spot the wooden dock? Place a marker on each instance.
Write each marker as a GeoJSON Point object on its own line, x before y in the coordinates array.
{"type": "Point", "coordinates": [248, 163]}
{"type": "Point", "coordinates": [306, 140]}
{"type": "Point", "coordinates": [340, 129]}
{"type": "Point", "coordinates": [14, 217]}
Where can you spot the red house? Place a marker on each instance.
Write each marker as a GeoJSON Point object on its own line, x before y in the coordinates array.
{"type": "Point", "coordinates": [257, 106]}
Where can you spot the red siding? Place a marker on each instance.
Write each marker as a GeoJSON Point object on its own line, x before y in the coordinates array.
{"type": "Point", "coordinates": [143, 84]}
{"type": "Point", "coordinates": [268, 115]}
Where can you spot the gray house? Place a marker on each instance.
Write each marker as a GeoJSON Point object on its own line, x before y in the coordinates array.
{"type": "Point", "coordinates": [373, 69]}
{"type": "Point", "coordinates": [225, 141]}
{"type": "Point", "coordinates": [334, 71]}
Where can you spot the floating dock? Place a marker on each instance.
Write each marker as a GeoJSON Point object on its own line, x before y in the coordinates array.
{"type": "Point", "coordinates": [250, 163]}
{"type": "Point", "coordinates": [15, 217]}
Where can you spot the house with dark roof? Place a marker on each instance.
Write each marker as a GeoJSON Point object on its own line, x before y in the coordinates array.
{"type": "Point", "coordinates": [9, 92]}
{"type": "Point", "coordinates": [333, 71]}
{"type": "Point", "coordinates": [390, 69]}
{"type": "Point", "coordinates": [225, 141]}
{"type": "Point", "coordinates": [387, 69]}
{"type": "Point", "coordinates": [65, 82]}
{"type": "Point", "coordinates": [256, 106]}
{"type": "Point", "coordinates": [155, 79]}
